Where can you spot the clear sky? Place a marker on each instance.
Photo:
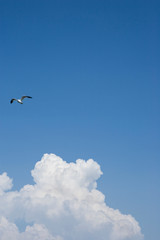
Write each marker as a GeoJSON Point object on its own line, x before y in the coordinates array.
{"type": "Point", "coordinates": [92, 68]}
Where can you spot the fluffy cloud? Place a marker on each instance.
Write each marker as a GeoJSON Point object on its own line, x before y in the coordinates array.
{"type": "Point", "coordinates": [63, 204]}
{"type": "Point", "coordinates": [5, 183]}
{"type": "Point", "coordinates": [9, 230]}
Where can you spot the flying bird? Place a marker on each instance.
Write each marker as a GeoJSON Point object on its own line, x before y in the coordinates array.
{"type": "Point", "coordinates": [19, 100]}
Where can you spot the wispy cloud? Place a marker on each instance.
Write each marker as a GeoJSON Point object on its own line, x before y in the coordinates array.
{"type": "Point", "coordinates": [63, 204]}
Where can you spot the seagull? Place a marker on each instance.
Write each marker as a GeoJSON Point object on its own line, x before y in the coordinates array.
{"type": "Point", "coordinates": [19, 100]}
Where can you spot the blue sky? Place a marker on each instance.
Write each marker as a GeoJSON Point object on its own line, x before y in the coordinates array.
{"type": "Point", "coordinates": [92, 68]}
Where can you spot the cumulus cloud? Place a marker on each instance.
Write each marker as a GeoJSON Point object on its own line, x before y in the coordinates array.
{"type": "Point", "coordinates": [5, 183]}
{"type": "Point", "coordinates": [63, 204]}
{"type": "Point", "coordinates": [9, 230]}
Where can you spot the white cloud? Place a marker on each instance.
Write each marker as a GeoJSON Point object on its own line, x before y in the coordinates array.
{"type": "Point", "coordinates": [9, 230]}
{"type": "Point", "coordinates": [62, 204]}
{"type": "Point", "coordinates": [5, 183]}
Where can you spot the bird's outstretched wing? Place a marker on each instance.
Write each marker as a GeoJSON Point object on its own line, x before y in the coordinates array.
{"type": "Point", "coordinates": [25, 97]}
{"type": "Point", "coordinates": [13, 99]}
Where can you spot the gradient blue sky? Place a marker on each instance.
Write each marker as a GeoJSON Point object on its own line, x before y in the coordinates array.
{"type": "Point", "coordinates": [92, 68]}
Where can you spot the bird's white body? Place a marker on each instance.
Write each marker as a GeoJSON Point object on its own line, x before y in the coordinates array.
{"type": "Point", "coordinates": [20, 101]}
